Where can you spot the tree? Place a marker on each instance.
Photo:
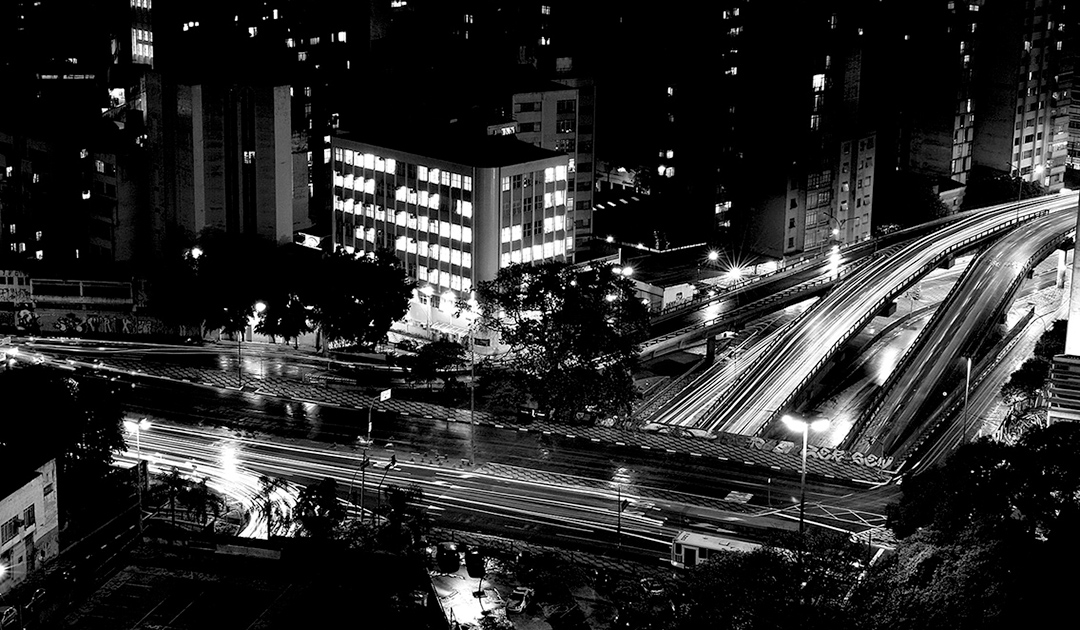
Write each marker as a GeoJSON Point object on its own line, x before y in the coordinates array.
{"type": "Point", "coordinates": [501, 392]}
{"type": "Point", "coordinates": [175, 486]}
{"type": "Point", "coordinates": [356, 299]}
{"type": "Point", "coordinates": [1024, 385]}
{"type": "Point", "coordinates": [915, 200]}
{"type": "Point", "coordinates": [318, 511]}
{"type": "Point", "coordinates": [203, 502]}
{"type": "Point", "coordinates": [987, 188]}
{"type": "Point", "coordinates": [1048, 494]}
{"type": "Point", "coordinates": [76, 420]}
{"type": "Point", "coordinates": [975, 484]}
{"type": "Point", "coordinates": [278, 518]}
{"type": "Point", "coordinates": [406, 519]}
{"type": "Point", "coordinates": [936, 581]}
{"type": "Point", "coordinates": [437, 359]}
{"type": "Point", "coordinates": [1052, 342]}
{"type": "Point", "coordinates": [572, 333]}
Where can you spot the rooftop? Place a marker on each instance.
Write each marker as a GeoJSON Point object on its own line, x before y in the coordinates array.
{"type": "Point", "coordinates": [460, 148]}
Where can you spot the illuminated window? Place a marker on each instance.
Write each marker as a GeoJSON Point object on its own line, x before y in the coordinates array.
{"type": "Point", "coordinates": [444, 178]}
{"type": "Point", "coordinates": [549, 174]}
{"type": "Point", "coordinates": [505, 181]}
{"type": "Point", "coordinates": [422, 173]}
{"type": "Point", "coordinates": [249, 157]}
{"type": "Point", "coordinates": [549, 225]}
{"type": "Point", "coordinates": [515, 233]}
{"type": "Point", "coordinates": [341, 36]}
{"type": "Point", "coordinates": [560, 173]}
{"type": "Point", "coordinates": [466, 209]}
{"type": "Point", "coordinates": [467, 183]}
{"type": "Point", "coordinates": [545, 9]}
{"type": "Point", "coordinates": [455, 180]}
{"type": "Point", "coordinates": [505, 235]}
{"type": "Point", "coordinates": [819, 82]}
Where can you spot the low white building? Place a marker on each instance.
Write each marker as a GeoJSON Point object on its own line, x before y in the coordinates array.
{"type": "Point", "coordinates": [29, 522]}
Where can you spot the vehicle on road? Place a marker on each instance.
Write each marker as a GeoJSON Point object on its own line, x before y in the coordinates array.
{"type": "Point", "coordinates": [519, 599]}
{"type": "Point", "coordinates": [448, 557]}
{"type": "Point", "coordinates": [9, 617]}
{"type": "Point", "coordinates": [690, 548]}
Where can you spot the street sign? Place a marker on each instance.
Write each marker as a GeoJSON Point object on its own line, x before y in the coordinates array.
{"type": "Point", "coordinates": [384, 395]}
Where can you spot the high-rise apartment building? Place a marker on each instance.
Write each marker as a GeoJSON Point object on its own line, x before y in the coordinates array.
{"type": "Point", "coordinates": [1023, 102]}
{"type": "Point", "coordinates": [232, 163]}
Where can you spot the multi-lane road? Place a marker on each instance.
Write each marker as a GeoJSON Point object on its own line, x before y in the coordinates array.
{"type": "Point", "coordinates": [974, 305]}
{"type": "Point", "coordinates": [768, 385]}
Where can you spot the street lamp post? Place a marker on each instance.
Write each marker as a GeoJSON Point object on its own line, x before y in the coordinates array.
{"type": "Point", "coordinates": [362, 469]}
{"type": "Point", "coordinates": [260, 307]}
{"type": "Point", "coordinates": [138, 428]}
{"type": "Point", "coordinates": [473, 304]}
{"type": "Point", "coordinates": [967, 395]}
{"type": "Point", "coordinates": [797, 424]}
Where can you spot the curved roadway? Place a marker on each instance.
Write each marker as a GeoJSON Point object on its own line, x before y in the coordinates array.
{"type": "Point", "coordinates": [770, 383]}
{"type": "Point", "coordinates": [970, 309]}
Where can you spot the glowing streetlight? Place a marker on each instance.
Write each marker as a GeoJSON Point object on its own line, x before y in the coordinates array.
{"type": "Point", "coordinates": [714, 256]}
{"type": "Point", "coordinates": [429, 291]}
{"type": "Point", "coordinates": [195, 253]}
{"type": "Point", "coordinates": [803, 426]}
{"type": "Point", "coordinates": [137, 428]}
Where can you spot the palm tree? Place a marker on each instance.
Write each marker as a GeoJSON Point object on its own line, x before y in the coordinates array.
{"type": "Point", "coordinates": [268, 508]}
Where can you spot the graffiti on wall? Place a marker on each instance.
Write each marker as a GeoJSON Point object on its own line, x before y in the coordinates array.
{"type": "Point", "coordinates": [784, 447]}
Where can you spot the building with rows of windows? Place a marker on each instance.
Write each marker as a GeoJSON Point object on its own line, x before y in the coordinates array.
{"type": "Point", "coordinates": [454, 210]}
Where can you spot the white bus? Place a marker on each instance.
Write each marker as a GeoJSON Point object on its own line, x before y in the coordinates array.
{"type": "Point", "coordinates": [689, 548]}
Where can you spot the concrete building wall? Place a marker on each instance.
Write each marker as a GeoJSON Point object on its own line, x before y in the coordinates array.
{"type": "Point", "coordinates": [29, 520]}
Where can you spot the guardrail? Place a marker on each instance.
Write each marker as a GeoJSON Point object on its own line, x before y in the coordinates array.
{"type": "Point", "coordinates": [1009, 295]}
{"type": "Point", "coordinates": [887, 240]}
{"type": "Point", "coordinates": [956, 400]}
{"type": "Point", "coordinates": [739, 378]}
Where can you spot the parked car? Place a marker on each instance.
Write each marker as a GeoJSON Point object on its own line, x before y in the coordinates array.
{"type": "Point", "coordinates": [35, 600]}
{"type": "Point", "coordinates": [652, 587]}
{"type": "Point", "coordinates": [474, 563]}
{"type": "Point", "coordinates": [9, 617]}
{"type": "Point", "coordinates": [519, 599]}
{"type": "Point", "coordinates": [448, 557]}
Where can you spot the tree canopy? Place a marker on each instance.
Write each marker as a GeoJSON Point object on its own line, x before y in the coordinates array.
{"type": "Point", "coordinates": [572, 333]}
{"type": "Point", "coordinates": [216, 282]}
{"type": "Point", "coordinates": [988, 189]}
{"type": "Point", "coordinates": [76, 420]}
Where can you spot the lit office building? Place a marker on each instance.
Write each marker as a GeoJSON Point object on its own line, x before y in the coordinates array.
{"type": "Point", "coordinates": [453, 212]}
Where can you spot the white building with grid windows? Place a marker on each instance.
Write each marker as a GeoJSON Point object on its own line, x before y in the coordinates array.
{"type": "Point", "coordinates": [454, 210]}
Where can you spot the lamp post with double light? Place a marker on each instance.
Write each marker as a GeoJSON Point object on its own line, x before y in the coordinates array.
{"type": "Point", "coordinates": [260, 308]}
{"type": "Point", "coordinates": [804, 426]}
{"type": "Point", "coordinates": [137, 428]}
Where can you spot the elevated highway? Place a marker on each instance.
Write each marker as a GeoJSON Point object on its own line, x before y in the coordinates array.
{"type": "Point", "coordinates": [770, 384]}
